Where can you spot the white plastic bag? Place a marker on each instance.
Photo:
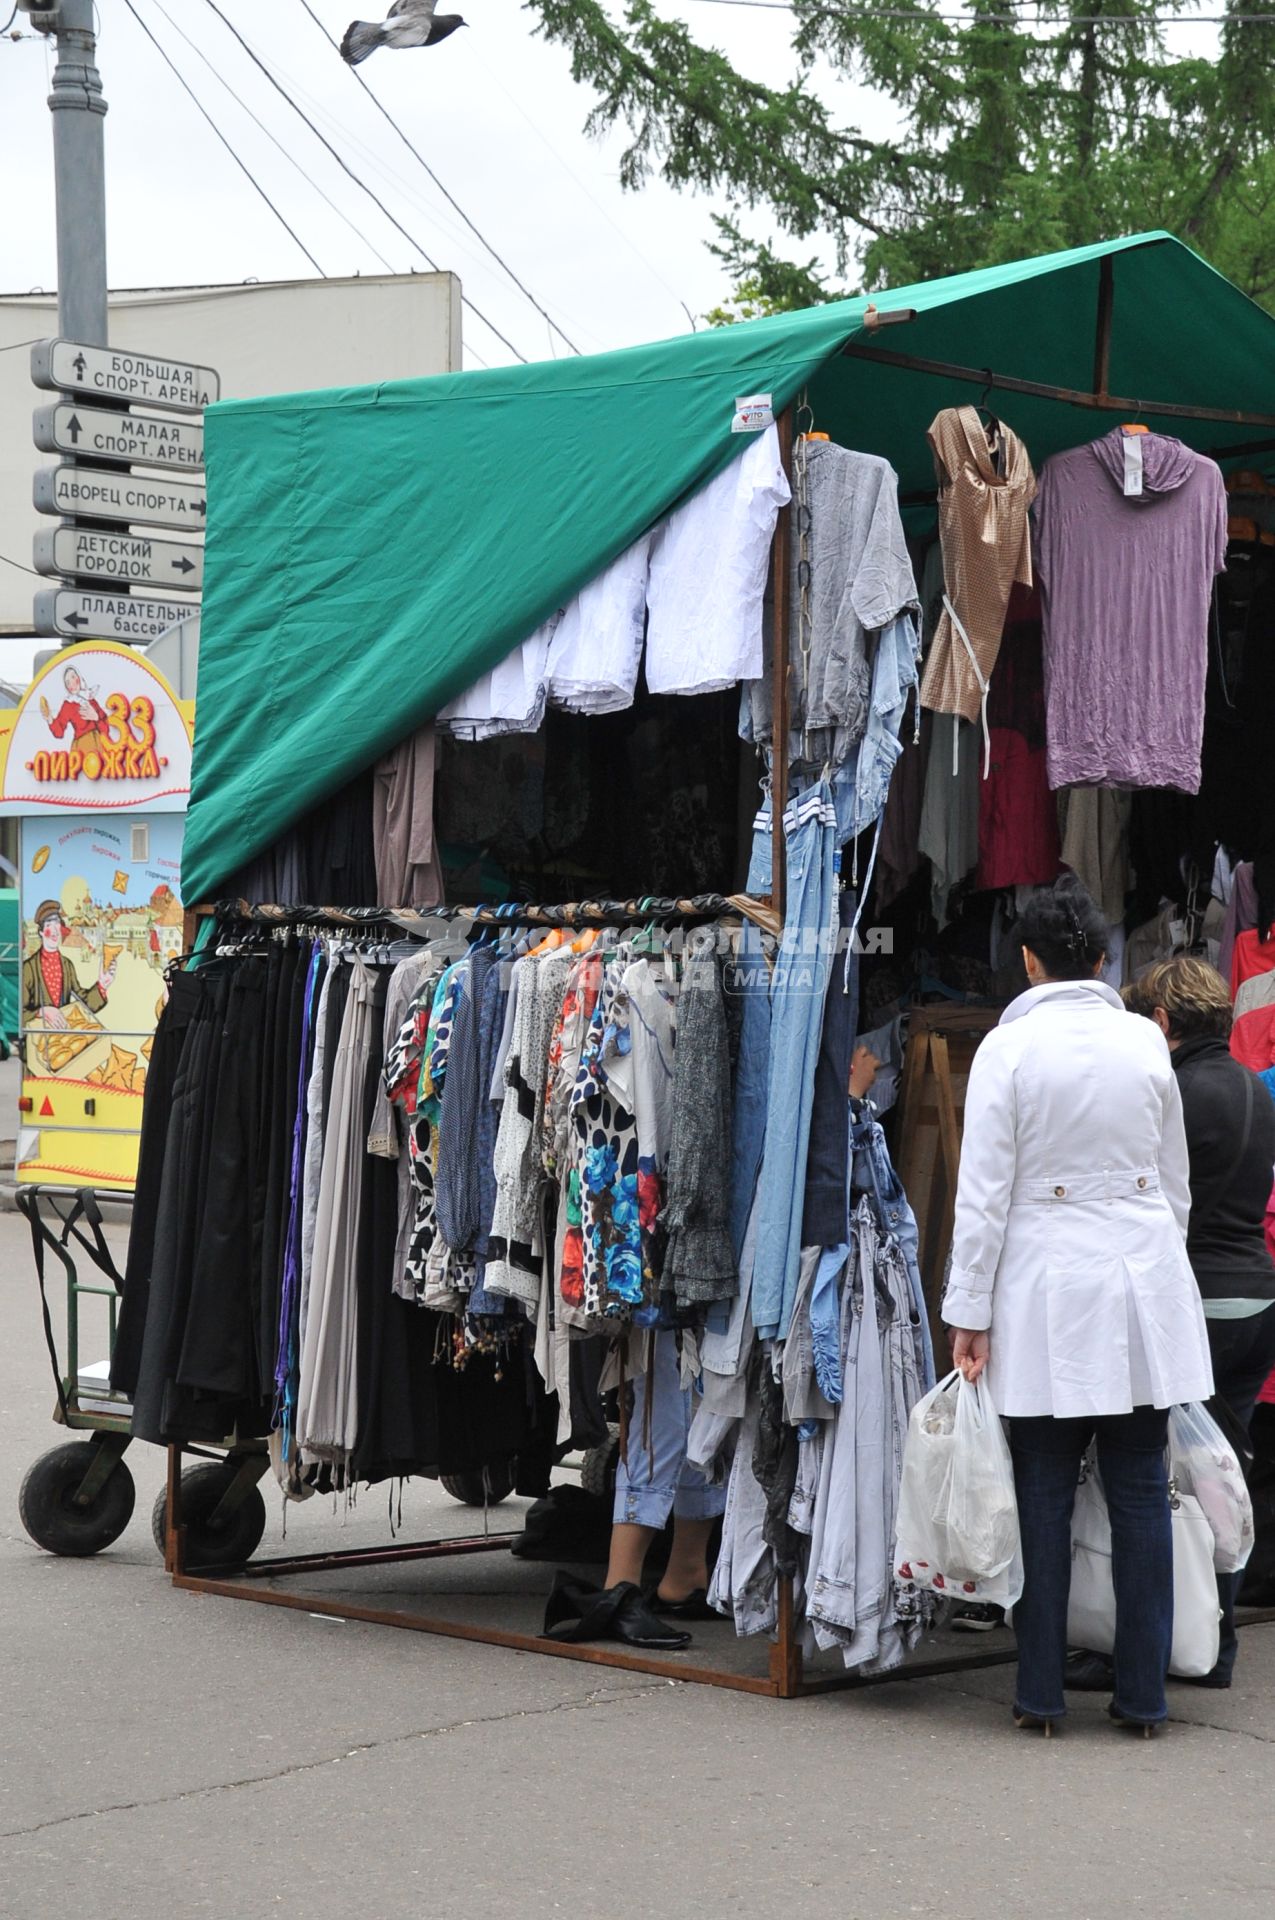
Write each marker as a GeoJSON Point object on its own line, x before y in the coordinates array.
{"type": "Point", "coordinates": [1203, 1463]}
{"type": "Point", "coordinates": [957, 1531]}
{"type": "Point", "coordinates": [1091, 1606]}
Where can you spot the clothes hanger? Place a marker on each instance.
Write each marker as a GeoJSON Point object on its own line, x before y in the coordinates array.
{"type": "Point", "coordinates": [1134, 425]}
{"type": "Point", "coordinates": [990, 421]}
{"type": "Point", "coordinates": [808, 432]}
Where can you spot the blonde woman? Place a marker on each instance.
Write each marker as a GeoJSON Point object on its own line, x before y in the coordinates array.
{"type": "Point", "coordinates": [1230, 1136]}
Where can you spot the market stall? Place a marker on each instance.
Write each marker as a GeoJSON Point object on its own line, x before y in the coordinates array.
{"type": "Point", "coordinates": [426, 604]}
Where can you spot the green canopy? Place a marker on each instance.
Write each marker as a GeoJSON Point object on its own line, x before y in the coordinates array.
{"type": "Point", "coordinates": [10, 964]}
{"type": "Point", "coordinates": [371, 551]}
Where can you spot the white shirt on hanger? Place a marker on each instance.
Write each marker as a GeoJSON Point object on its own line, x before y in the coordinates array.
{"type": "Point", "coordinates": [709, 563]}
{"type": "Point", "coordinates": [508, 699]}
{"type": "Point", "coordinates": [593, 661]}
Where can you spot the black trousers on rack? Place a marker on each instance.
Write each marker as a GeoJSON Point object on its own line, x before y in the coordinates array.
{"type": "Point", "coordinates": [184, 997]}
{"type": "Point", "coordinates": [178, 1213]}
{"type": "Point", "coordinates": [218, 1355]}
{"type": "Point", "coordinates": [280, 1064]}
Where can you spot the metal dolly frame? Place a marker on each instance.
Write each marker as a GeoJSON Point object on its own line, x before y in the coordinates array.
{"type": "Point", "coordinates": [78, 1498]}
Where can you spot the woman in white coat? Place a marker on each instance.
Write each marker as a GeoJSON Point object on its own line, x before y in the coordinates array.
{"type": "Point", "coordinates": [1070, 1285]}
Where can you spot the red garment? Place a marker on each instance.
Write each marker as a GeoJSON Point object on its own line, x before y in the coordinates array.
{"type": "Point", "coordinates": [1253, 1039]}
{"type": "Point", "coordinates": [1267, 1395]}
{"type": "Point", "coordinates": [1018, 842]}
{"type": "Point", "coordinates": [51, 968]}
{"type": "Point", "coordinates": [1252, 955]}
{"type": "Point", "coordinates": [72, 714]}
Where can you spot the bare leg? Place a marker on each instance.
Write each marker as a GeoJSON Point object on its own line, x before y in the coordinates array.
{"type": "Point", "coordinates": [630, 1545]}
{"type": "Point", "coordinates": [687, 1570]}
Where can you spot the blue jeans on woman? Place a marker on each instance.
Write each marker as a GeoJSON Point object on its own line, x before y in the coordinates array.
{"type": "Point", "coordinates": [1131, 1460]}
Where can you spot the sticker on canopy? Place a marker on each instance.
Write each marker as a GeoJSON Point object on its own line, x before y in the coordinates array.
{"type": "Point", "coordinates": [752, 414]}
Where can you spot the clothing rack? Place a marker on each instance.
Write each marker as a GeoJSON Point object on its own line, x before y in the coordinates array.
{"type": "Point", "coordinates": [785, 1678]}
{"type": "Point", "coordinates": [571, 913]}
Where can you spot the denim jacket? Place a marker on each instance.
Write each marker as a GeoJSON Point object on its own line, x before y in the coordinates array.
{"type": "Point", "coordinates": [861, 784]}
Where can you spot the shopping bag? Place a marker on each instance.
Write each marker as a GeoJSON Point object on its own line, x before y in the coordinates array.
{"type": "Point", "coordinates": [1091, 1609]}
{"type": "Point", "coordinates": [957, 1529]}
{"type": "Point", "coordinates": [1203, 1462]}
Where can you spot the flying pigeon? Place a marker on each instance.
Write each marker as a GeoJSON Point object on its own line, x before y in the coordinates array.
{"type": "Point", "coordinates": [410, 23]}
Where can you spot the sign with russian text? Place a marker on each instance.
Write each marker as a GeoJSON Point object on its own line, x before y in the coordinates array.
{"type": "Point", "coordinates": [98, 731]}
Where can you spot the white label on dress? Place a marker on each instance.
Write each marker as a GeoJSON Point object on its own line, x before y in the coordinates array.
{"type": "Point", "coordinates": [1132, 464]}
{"type": "Point", "coordinates": [753, 414]}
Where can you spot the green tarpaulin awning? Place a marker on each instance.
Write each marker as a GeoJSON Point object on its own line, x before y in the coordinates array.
{"type": "Point", "coordinates": [371, 551]}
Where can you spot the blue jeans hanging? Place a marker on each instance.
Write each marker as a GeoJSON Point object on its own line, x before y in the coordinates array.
{"type": "Point", "coordinates": [799, 988]}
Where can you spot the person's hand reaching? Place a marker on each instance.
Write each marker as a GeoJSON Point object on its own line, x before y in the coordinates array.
{"type": "Point", "coordinates": [863, 1071]}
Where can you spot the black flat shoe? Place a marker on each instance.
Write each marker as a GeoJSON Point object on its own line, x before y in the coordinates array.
{"type": "Point", "coordinates": [1089, 1673]}
{"type": "Point", "coordinates": [576, 1611]}
{"type": "Point", "coordinates": [694, 1607]}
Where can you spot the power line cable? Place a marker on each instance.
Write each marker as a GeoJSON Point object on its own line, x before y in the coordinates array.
{"type": "Point", "coordinates": [918, 16]}
{"type": "Point", "coordinates": [272, 137]}
{"type": "Point", "coordinates": [13, 345]}
{"type": "Point", "coordinates": [417, 192]}
{"type": "Point", "coordinates": [21, 569]}
{"type": "Point", "coordinates": [241, 164]}
{"type": "Point", "coordinates": [347, 168]}
{"type": "Point", "coordinates": [377, 167]}
{"type": "Point", "coordinates": [569, 170]}
{"type": "Point", "coordinates": [449, 197]}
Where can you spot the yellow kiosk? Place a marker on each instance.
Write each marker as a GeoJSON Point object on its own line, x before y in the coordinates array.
{"type": "Point", "coordinates": [95, 764]}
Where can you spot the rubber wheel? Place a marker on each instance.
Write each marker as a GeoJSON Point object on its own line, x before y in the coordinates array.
{"type": "Point", "coordinates": [597, 1475]}
{"type": "Point", "coordinates": [47, 1506]}
{"type": "Point", "coordinates": [481, 1487]}
{"type": "Point", "coordinates": [227, 1542]}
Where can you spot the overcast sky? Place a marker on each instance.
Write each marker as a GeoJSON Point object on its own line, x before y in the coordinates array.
{"type": "Point", "coordinates": [493, 110]}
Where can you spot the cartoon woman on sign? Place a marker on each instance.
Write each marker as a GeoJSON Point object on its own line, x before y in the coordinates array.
{"type": "Point", "coordinates": [49, 980]}
{"type": "Point", "coordinates": [81, 712]}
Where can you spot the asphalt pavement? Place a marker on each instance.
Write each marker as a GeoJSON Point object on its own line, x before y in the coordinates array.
{"type": "Point", "coordinates": [178, 1755]}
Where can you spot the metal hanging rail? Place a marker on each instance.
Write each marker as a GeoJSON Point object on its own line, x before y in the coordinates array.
{"type": "Point", "coordinates": [1073, 396]}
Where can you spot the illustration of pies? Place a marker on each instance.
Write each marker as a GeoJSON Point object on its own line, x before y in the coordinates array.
{"type": "Point", "coordinates": [120, 1072]}
{"type": "Point", "coordinates": [41, 859]}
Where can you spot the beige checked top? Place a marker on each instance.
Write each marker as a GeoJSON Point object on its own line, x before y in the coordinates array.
{"type": "Point", "coordinates": [985, 491]}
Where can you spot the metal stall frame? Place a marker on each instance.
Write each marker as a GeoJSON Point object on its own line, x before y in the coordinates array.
{"type": "Point", "coordinates": [786, 1678]}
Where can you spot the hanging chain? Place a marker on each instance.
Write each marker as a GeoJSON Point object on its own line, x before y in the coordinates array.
{"type": "Point", "coordinates": [805, 620]}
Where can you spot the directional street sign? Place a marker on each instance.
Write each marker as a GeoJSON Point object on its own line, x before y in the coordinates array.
{"type": "Point", "coordinates": [107, 616]}
{"type": "Point", "coordinates": [133, 438]}
{"type": "Point", "coordinates": [142, 379]}
{"type": "Point", "coordinates": [137, 499]}
{"type": "Point", "coordinates": [88, 553]}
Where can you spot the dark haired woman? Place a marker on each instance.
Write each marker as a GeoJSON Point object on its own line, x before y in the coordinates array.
{"type": "Point", "coordinates": [1070, 1285]}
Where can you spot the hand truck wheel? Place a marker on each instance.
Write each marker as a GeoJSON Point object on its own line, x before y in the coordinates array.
{"type": "Point", "coordinates": [480, 1486]}
{"type": "Point", "coordinates": [223, 1514]}
{"type": "Point", "coordinates": [56, 1513]}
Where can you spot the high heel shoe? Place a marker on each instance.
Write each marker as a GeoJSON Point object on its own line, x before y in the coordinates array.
{"type": "Point", "coordinates": [1032, 1723]}
{"type": "Point", "coordinates": [1147, 1728]}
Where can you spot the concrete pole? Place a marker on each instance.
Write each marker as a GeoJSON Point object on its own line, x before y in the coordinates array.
{"type": "Point", "coordinates": [79, 167]}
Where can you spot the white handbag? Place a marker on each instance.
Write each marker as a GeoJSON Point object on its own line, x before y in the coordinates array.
{"type": "Point", "coordinates": [1091, 1610]}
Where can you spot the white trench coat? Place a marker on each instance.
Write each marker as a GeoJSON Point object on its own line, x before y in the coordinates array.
{"type": "Point", "coordinates": [1071, 1212]}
